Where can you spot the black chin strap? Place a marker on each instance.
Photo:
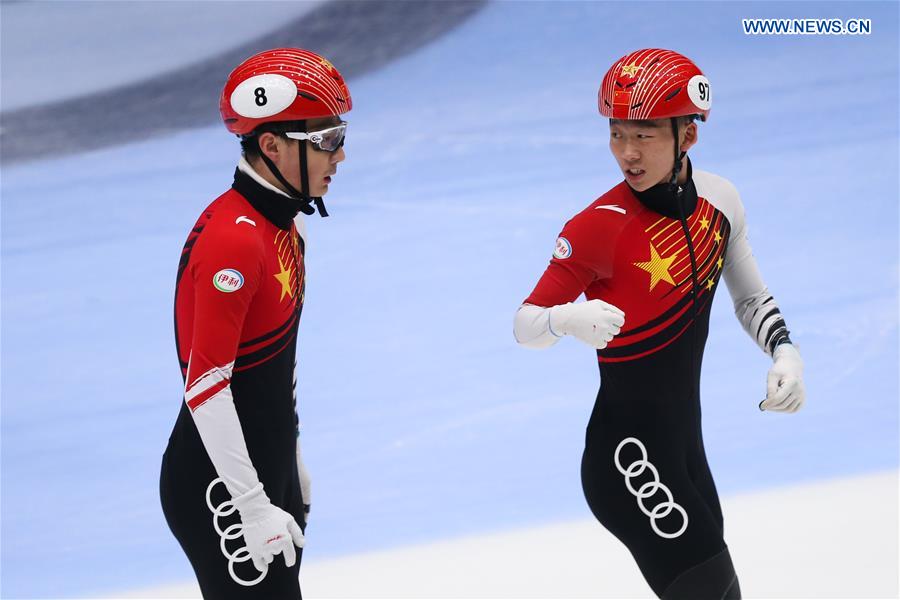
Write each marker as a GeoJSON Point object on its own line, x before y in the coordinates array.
{"type": "Point", "coordinates": [304, 181]}
{"type": "Point", "coordinates": [304, 197]}
{"type": "Point", "coordinates": [673, 182]}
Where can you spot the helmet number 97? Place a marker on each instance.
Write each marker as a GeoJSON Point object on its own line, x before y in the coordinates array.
{"type": "Point", "coordinates": [260, 94]}
{"type": "Point", "coordinates": [699, 92]}
{"type": "Point", "coordinates": [703, 88]}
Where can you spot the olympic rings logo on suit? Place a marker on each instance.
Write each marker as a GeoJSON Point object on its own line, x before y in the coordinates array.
{"type": "Point", "coordinates": [232, 532]}
{"type": "Point", "coordinates": [649, 488]}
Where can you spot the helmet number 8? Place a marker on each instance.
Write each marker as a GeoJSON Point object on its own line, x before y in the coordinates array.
{"type": "Point", "coordinates": [263, 96]}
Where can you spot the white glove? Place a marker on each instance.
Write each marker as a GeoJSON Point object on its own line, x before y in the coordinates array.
{"type": "Point", "coordinates": [305, 483]}
{"type": "Point", "coordinates": [785, 391]}
{"type": "Point", "coordinates": [593, 322]}
{"type": "Point", "coordinates": [267, 529]}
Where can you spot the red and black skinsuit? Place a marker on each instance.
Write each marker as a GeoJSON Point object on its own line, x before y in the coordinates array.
{"type": "Point", "coordinates": [644, 470]}
{"type": "Point", "coordinates": [238, 299]}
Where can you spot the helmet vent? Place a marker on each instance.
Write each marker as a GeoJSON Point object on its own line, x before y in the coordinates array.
{"type": "Point", "coordinates": [307, 96]}
{"type": "Point", "coordinates": [673, 94]}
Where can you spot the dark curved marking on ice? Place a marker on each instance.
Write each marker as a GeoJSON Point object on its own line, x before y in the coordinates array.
{"type": "Point", "coordinates": [357, 36]}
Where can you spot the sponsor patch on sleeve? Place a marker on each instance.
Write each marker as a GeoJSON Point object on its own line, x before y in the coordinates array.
{"type": "Point", "coordinates": [228, 280]}
{"type": "Point", "coordinates": [563, 249]}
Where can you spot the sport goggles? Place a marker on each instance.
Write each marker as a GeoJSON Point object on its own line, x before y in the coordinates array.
{"type": "Point", "coordinates": [329, 139]}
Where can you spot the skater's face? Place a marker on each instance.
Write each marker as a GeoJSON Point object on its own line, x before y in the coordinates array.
{"type": "Point", "coordinates": [321, 165]}
{"type": "Point", "coordinates": [645, 150]}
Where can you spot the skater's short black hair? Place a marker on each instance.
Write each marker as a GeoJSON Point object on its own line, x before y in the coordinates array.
{"type": "Point", "coordinates": [249, 148]}
{"type": "Point", "coordinates": [249, 144]}
{"type": "Point", "coordinates": [655, 123]}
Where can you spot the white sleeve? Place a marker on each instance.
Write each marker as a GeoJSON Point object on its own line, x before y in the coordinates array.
{"type": "Point", "coordinates": [215, 336]}
{"type": "Point", "coordinates": [531, 327]}
{"type": "Point", "coordinates": [754, 306]}
{"type": "Point", "coordinates": [220, 430]}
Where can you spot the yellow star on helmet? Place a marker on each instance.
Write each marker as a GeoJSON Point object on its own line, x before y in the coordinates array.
{"type": "Point", "coordinates": [630, 70]}
{"type": "Point", "coordinates": [324, 62]}
{"type": "Point", "coordinates": [658, 268]}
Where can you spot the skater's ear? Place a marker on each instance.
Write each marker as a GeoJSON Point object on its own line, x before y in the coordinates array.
{"type": "Point", "coordinates": [689, 136]}
{"type": "Point", "coordinates": [272, 145]}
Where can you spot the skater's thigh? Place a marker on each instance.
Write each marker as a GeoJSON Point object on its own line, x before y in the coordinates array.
{"type": "Point", "coordinates": [638, 487]}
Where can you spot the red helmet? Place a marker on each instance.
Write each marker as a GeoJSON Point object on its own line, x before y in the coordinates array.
{"type": "Point", "coordinates": [284, 84]}
{"type": "Point", "coordinates": [654, 84]}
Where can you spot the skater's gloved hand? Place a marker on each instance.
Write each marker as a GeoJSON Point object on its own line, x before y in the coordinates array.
{"type": "Point", "coordinates": [593, 322]}
{"type": "Point", "coordinates": [785, 390]}
{"type": "Point", "coordinates": [267, 529]}
{"type": "Point", "coordinates": [305, 483]}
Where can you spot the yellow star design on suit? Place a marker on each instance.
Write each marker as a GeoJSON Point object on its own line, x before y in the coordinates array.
{"type": "Point", "coordinates": [630, 70]}
{"type": "Point", "coordinates": [284, 278]}
{"type": "Point", "coordinates": [704, 223]}
{"type": "Point", "coordinates": [710, 283]}
{"type": "Point", "coordinates": [718, 237]}
{"type": "Point", "coordinates": [719, 262]}
{"type": "Point", "coordinates": [658, 268]}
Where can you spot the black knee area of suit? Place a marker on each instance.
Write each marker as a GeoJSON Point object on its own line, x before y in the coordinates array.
{"type": "Point", "coordinates": [713, 579]}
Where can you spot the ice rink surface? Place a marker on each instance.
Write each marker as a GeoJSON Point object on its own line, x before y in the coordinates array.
{"type": "Point", "coordinates": [576, 559]}
{"type": "Point", "coordinates": [424, 423]}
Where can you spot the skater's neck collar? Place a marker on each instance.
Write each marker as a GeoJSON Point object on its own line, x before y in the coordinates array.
{"type": "Point", "coordinates": [268, 200]}
{"type": "Point", "coordinates": [662, 199]}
